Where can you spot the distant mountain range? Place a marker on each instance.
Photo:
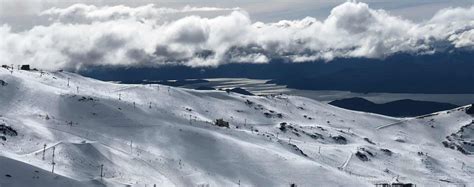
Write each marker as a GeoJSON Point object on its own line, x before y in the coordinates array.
{"type": "Point", "coordinates": [439, 73]}
{"type": "Point", "coordinates": [400, 108]}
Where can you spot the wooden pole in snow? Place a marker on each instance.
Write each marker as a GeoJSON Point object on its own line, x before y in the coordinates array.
{"type": "Point", "coordinates": [53, 163]}
{"type": "Point", "coordinates": [101, 171]}
{"type": "Point", "coordinates": [44, 150]}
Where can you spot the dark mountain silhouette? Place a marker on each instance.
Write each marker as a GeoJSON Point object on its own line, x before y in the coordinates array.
{"type": "Point", "coordinates": [400, 108]}
{"type": "Point", "coordinates": [164, 82]}
{"type": "Point", "coordinates": [204, 88]}
{"type": "Point", "coordinates": [239, 90]}
{"type": "Point", "coordinates": [440, 73]}
{"type": "Point", "coordinates": [470, 110]}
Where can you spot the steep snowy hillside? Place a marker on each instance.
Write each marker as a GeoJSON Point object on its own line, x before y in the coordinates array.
{"type": "Point", "coordinates": [145, 135]}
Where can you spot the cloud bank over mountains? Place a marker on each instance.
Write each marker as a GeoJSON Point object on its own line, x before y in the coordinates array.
{"type": "Point", "coordinates": [84, 35]}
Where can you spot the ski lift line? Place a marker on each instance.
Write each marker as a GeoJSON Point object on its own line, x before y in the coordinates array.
{"type": "Point", "coordinates": [126, 88]}
{"type": "Point", "coordinates": [47, 148]}
{"type": "Point", "coordinates": [419, 117]}
{"type": "Point", "coordinates": [392, 124]}
{"type": "Point", "coordinates": [119, 150]}
{"type": "Point", "coordinates": [106, 145]}
{"type": "Point", "coordinates": [344, 165]}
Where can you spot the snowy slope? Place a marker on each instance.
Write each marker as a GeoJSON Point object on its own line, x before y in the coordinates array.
{"type": "Point", "coordinates": [154, 134]}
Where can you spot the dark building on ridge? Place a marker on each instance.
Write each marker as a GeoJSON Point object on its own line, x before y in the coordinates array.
{"type": "Point", "coordinates": [25, 67]}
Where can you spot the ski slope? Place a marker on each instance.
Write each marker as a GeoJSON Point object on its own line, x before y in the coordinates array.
{"type": "Point", "coordinates": [147, 135]}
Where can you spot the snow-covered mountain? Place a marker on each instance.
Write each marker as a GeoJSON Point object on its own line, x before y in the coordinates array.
{"type": "Point", "coordinates": [146, 135]}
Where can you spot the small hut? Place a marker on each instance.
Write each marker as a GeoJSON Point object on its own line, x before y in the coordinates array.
{"type": "Point", "coordinates": [221, 123]}
{"type": "Point", "coordinates": [395, 183]}
{"type": "Point", "coordinates": [403, 185]}
{"type": "Point", "coordinates": [25, 67]}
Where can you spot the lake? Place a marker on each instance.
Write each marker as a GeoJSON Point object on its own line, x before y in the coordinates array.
{"type": "Point", "coordinates": [259, 87]}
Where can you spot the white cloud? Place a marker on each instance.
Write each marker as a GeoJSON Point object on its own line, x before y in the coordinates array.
{"type": "Point", "coordinates": [81, 13]}
{"type": "Point", "coordinates": [84, 35]}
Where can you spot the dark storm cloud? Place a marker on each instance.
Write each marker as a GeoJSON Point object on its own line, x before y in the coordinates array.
{"type": "Point", "coordinates": [83, 35]}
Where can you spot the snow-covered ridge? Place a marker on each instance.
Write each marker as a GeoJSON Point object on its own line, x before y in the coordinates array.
{"type": "Point", "coordinates": [154, 134]}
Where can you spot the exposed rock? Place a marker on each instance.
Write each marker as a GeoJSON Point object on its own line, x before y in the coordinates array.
{"type": "Point", "coordinates": [462, 140]}
{"type": "Point", "coordinates": [7, 130]}
{"type": "Point", "coordinates": [362, 156]}
{"type": "Point", "coordinates": [272, 114]}
{"type": "Point", "coordinates": [387, 152]}
{"type": "Point", "coordinates": [314, 135]}
{"type": "Point", "coordinates": [86, 99]}
{"type": "Point", "coordinates": [283, 126]}
{"type": "Point", "coordinates": [296, 148]}
{"type": "Point", "coordinates": [367, 151]}
{"type": "Point", "coordinates": [369, 141]}
{"type": "Point", "coordinates": [470, 110]}
{"type": "Point", "coordinates": [339, 139]}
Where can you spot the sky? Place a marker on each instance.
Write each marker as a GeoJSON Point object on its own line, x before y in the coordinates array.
{"type": "Point", "coordinates": [74, 34]}
{"type": "Point", "coordinates": [22, 14]}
